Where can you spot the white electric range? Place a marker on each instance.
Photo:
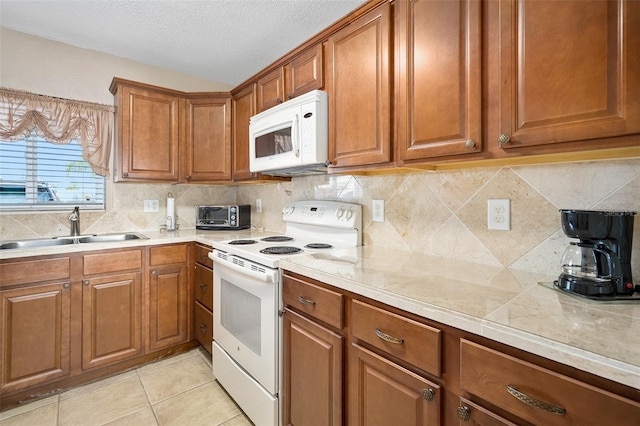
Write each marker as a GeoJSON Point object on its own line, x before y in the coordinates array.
{"type": "Point", "coordinates": [247, 298]}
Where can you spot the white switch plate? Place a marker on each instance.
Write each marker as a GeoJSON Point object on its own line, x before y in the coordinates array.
{"type": "Point", "coordinates": [258, 205]}
{"type": "Point", "coordinates": [151, 206]}
{"type": "Point", "coordinates": [499, 214]}
{"type": "Point", "coordinates": [377, 207]}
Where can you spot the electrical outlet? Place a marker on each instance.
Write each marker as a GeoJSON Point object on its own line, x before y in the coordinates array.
{"type": "Point", "coordinates": [377, 207]}
{"type": "Point", "coordinates": [151, 206]}
{"type": "Point", "coordinates": [258, 205]}
{"type": "Point", "coordinates": [499, 214]}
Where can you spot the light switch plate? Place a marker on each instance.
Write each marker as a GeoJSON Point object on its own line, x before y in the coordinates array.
{"type": "Point", "coordinates": [499, 214]}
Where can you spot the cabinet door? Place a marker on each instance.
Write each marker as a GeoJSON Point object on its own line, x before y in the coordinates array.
{"type": "Point", "coordinates": [111, 319]}
{"type": "Point", "coordinates": [147, 141]}
{"type": "Point", "coordinates": [471, 414]}
{"type": "Point", "coordinates": [203, 326]}
{"type": "Point", "coordinates": [383, 393]}
{"type": "Point", "coordinates": [35, 335]}
{"type": "Point", "coordinates": [270, 90]}
{"type": "Point", "coordinates": [305, 72]}
{"type": "Point", "coordinates": [359, 87]}
{"type": "Point", "coordinates": [207, 140]}
{"type": "Point", "coordinates": [203, 285]}
{"type": "Point", "coordinates": [569, 70]}
{"type": "Point", "coordinates": [439, 78]}
{"type": "Point", "coordinates": [244, 106]}
{"type": "Point", "coordinates": [168, 306]}
{"type": "Point", "coordinates": [312, 373]}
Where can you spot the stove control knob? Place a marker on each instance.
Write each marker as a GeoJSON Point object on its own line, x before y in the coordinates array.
{"type": "Point", "coordinates": [339, 213]}
{"type": "Point", "coordinates": [349, 214]}
{"type": "Point", "coordinates": [288, 210]}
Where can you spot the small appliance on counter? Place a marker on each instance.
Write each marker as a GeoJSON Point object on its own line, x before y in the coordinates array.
{"type": "Point", "coordinates": [598, 265]}
{"type": "Point", "coordinates": [223, 218]}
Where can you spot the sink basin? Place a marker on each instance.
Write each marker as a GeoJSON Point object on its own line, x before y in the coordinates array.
{"type": "Point", "coordinates": [59, 241]}
{"type": "Point", "coordinates": [39, 242]}
{"type": "Point", "coordinates": [108, 238]}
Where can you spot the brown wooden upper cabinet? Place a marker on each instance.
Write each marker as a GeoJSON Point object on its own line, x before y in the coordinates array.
{"type": "Point", "coordinates": [359, 84]}
{"type": "Point", "coordinates": [207, 138]}
{"type": "Point", "coordinates": [244, 106]}
{"type": "Point", "coordinates": [439, 97]}
{"type": "Point", "coordinates": [569, 71]}
{"type": "Point", "coordinates": [164, 135]}
{"type": "Point", "coordinates": [302, 74]}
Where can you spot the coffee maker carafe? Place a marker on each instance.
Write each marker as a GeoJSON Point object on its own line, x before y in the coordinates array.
{"type": "Point", "coordinates": [599, 264]}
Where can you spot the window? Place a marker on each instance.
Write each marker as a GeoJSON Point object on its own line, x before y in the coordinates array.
{"type": "Point", "coordinates": [36, 174]}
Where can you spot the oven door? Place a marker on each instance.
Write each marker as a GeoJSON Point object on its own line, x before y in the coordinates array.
{"type": "Point", "coordinates": [245, 316]}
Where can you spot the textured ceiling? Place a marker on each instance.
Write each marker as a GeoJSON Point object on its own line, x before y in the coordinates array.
{"type": "Point", "coordinates": [225, 41]}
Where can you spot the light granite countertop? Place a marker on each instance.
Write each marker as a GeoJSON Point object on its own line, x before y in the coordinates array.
{"type": "Point", "coordinates": [508, 306]}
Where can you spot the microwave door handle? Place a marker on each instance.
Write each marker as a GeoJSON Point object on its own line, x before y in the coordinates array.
{"type": "Point", "coordinates": [296, 136]}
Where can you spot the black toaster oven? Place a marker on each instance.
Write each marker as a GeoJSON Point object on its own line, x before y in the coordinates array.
{"type": "Point", "coordinates": [226, 217]}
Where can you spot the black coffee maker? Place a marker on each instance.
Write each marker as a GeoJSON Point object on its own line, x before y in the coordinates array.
{"type": "Point", "coordinates": [599, 264]}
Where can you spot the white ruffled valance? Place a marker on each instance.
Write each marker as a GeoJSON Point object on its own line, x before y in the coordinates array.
{"type": "Point", "coordinates": [59, 121]}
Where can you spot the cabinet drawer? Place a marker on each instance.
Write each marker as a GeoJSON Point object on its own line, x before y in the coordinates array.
{"type": "Point", "coordinates": [164, 255]}
{"type": "Point", "coordinates": [319, 302]}
{"type": "Point", "coordinates": [411, 341]}
{"type": "Point", "coordinates": [202, 253]}
{"type": "Point", "coordinates": [34, 271]}
{"type": "Point", "coordinates": [539, 395]}
{"type": "Point", "coordinates": [203, 326]}
{"type": "Point", "coordinates": [111, 262]}
{"type": "Point", "coordinates": [203, 282]}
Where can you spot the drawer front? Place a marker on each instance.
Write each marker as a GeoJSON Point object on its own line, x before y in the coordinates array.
{"type": "Point", "coordinates": [411, 341]}
{"type": "Point", "coordinates": [34, 271]}
{"type": "Point", "coordinates": [203, 282]}
{"type": "Point", "coordinates": [318, 302]}
{"type": "Point", "coordinates": [203, 326]}
{"type": "Point", "coordinates": [116, 261]}
{"type": "Point", "coordinates": [539, 395]}
{"type": "Point", "coordinates": [164, 255]}
{"type": "Point", "coordinates": [202, 255]}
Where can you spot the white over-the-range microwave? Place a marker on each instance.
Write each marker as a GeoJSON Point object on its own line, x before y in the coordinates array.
{"type": "Point", "coordinates": [291, 138]}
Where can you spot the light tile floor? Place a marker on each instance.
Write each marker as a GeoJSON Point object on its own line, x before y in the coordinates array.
{"type": "Point", "coordinates": [180, 391]}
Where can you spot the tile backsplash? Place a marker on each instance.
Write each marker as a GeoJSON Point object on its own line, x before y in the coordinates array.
{"type": "Point", "coordinates": [440, 213]}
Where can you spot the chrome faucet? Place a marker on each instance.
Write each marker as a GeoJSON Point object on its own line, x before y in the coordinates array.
{"type": "Point", "coordinates": [74, 219]}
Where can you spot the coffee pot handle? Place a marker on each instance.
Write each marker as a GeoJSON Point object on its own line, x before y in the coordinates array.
{"type": "Point", "coordinates": [614, 268]}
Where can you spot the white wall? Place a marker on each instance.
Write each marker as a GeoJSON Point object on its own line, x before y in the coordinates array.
{"type": "Point", "coordinates": [56, 69]}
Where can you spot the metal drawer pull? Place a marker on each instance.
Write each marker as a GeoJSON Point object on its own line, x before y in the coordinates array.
{"type": "Point", "coordinates": [203, 287]}
{"type": "Point", "coordinates": [387, 338]}
{"type": "Point", "coordinates": [203, 328]}
{"type": "Point", "coordinates": [463, 413]}
{"type": "Point", "coordinates": [534, 402]}
{"type": "Point", "coordinates": [306, 301]}
{"type": "Point", "coordinates": [428, 394]}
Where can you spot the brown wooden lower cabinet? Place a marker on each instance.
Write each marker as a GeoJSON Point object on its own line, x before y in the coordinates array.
{"type": "Point", "coordinates": [35, 335]}
{"type": "Point", "coordinates": [203, 289]}
{"type": "Point", "coordinates": [382, 392]}
{"type": "Point", "coordinates": [475, 415]}
{"type": "Point", "coordinates": [111, 319]}
{"type": "Point", "coordinates": [203, 323]}
{"type": "Point", "coordinates": [312, 377]}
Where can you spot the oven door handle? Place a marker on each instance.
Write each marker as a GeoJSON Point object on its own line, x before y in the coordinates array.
{"type": "Point", "coordinates": [268, 276]}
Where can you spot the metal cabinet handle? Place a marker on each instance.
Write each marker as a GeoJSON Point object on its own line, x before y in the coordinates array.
{"type": "Point", "coordinates": [203, 287]}
{"type": "Point", "coordinates": [463, 413]}
{"type": "Point", "coordinates": [535, 402]}
{"type": "Point", "coordinates": [503, 139]}
{"type": "Point", "coordinates": [289, 97]}
{"type": "Point", "coordinates": [306, 301]}
{"type": "Point", "coordinates": [428, 394]}
{"type": "Point", "coordinates": [279, 100]}
{"type": "Point", "coordinates": [154, 272]}
{"type": "Point", "coordinates": [203, 328]}
{"type": "Point", "coordinates": [125, 174]}
{"type": "Point", "coordinates": [470, 143]}
{"type": "Point", "coordinates": [188, 177]}
{"type": "Point", "coordinates": [388, 338]}
{"type": "Point", "coordinates": [86, 282]}
{"type": "Point", "coordinates": [66, 285]}
{"type": "Point", "coordinates": [203, 258]}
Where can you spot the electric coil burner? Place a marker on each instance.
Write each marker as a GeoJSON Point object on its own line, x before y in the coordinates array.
{"type": "Point", "coordinates": [281, 250]}
{"type": "Point", "coordinates": [242, 242]}
{"type": "Point", "coordinates": [318, 246]}
{"type": "Point", "coordinates": [276, 239]}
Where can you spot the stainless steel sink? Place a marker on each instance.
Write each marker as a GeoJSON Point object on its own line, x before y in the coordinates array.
{"type": "Point", "coordinates": [59, 241]}
{"type": "Point", "coordinates": [108, 238]}
{"type": "Point", "coordinates": [39, 242]}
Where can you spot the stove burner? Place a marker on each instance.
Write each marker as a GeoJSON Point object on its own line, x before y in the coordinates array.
{"type": "Point", "coordinates": [281, 250]}
{"type": "Point", "coordinates": [242, 242]}
{"type": "Point", "coordinates": [319, 246]}
{"type": "Point", "coordinates": [276, 238]}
